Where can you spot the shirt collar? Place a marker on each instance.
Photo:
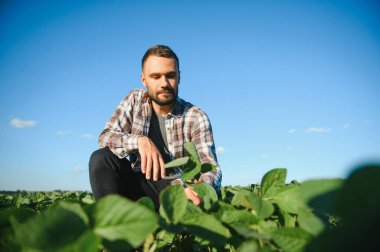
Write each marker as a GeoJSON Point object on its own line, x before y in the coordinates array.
{"type": "Point", "coordinates": [177, 108]}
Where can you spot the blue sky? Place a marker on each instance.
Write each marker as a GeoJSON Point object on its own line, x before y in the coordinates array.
{"type": "Point", "coordinates": [292, 84]}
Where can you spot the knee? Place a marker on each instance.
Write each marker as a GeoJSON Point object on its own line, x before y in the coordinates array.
{"type": "Point", "coordinates": [98, 158]}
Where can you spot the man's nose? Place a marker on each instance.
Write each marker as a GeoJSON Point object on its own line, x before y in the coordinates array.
{"type": "Point", "coordinates": [164, 81]}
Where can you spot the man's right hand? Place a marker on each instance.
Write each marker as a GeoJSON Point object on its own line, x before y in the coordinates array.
{"type": "Point", "coordinates": [151, 160]}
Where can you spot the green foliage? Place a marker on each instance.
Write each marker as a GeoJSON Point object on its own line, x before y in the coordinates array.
{"type": "Point", "coordinates": [317, 215]}
{"type": "Point", "coordinates": [115, 217]}
{"type": "Point", "coordinates": [273, 178]}
{"type": "Point", "coordinates": [357, 202]}
{"type": "Point", "coordinates": [173, 203]}
{"type": "Point", "coordinates": [191, 166]}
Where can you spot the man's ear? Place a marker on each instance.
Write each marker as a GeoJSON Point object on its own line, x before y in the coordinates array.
{"type": "Point", "coordinates": [143, 79]}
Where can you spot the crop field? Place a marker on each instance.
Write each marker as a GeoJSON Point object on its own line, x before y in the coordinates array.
{"type": "Point", "coordinates": [316, 215]}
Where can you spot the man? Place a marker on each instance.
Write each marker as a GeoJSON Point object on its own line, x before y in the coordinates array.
{"type": "Point", "coordinates": [150, 128]}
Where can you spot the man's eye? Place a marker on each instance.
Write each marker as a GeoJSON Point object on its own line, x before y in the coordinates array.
{"type": "Point", "coordinates": [171, 76]}
{"type": "Point", "coordinates": [156, 77]}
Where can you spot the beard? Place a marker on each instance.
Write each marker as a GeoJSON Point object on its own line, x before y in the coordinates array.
{"type": "Point", "coordinates": [167, 99]}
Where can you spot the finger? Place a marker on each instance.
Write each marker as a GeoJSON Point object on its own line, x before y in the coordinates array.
{"type": "Point", "coordinates": [156, 168]}
{"type": "Point", "coordinates": [148, 168]}
{"type": "Point", "coordinates": [194, 191]}
{"type": "Point", "coordinates": [198, 181]}
{"type": "Point", "coordinates": [162, 167]}
{"type": "Point", "coordinates": [143, 163]}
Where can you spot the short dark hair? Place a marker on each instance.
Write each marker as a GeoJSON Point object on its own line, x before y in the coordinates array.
{"type": "Point", "coordinates": [160, 51]}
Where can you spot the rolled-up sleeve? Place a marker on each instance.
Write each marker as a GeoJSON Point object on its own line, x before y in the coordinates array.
{"type": "Point", "coordinates": [117, 132]}
{"type": "Point", "coordinates": [204, 141]}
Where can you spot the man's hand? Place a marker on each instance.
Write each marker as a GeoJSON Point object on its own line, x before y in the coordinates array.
{"type": "Point", "coordinates": [194, 181]}
{"type": "Point", "coordinates": [151, 160]}
{"type": "Point", "coordinates": [193, 196]}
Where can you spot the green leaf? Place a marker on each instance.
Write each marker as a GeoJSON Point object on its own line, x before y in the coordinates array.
{"type": "Point", "coordinates": [239, 216]}
{"type": "Point", "coordinates": [177, 162]}
{"type": "Point", "coordinates": [360, 192]}
{"type": "Point", "coordinates": [192, 169]}
{"type": "Point", "coordinates": [310, 222]}
{"type": "Point", "coordinates": [173, 203]}
{"type": "Point", "coordinates": [289, 199]}
{"type": "Point", "coordinates": [207, 167]}
{"type": "Point", "coordinates": [291, 239]}
{"type": "Point", "coordinates": [117, 218]}
{"type": "Point", "coordinates": [248, 246]}
{"type": "Point", "coordinates": [87, 242]}
{"type": "Point", "coordinates": [147, 202]}
{"type": "Point", "coordinates": [320, 194]}
{"type": "Point", "coordinates": [262, 208]}
{"type": "Point", "coordinates": [6, 231]}
{"type": "Point", "coordinates": [164, 238]}
{"type": "Point", "coordinates": [273, 178]}
{"type": "Point", "coordinates": [192, 150]}
{"type": "Point", "coordinates": [192, 209]}
{"type": "Point", "coordinates": [61, 224]}
{"type": "Point", "coordinates": [266, 226]}
{"type": "Point", "coordinates": [247, 232]}
{"type": "Point", "coordinates": [207, 193]}
{"type": "Point", "coordinates": [206, 227]}
{"type": "Point", "coordinates": [21, 214]}
{"type": "Point", "coordinates": [286, 219]}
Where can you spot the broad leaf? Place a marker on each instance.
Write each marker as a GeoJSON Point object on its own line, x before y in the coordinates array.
{"type": "Point", "coordinates": [21, 214]}
{"type": "Point", "coordinates": [239, 216]}
{"type": "Point", "coordinates": [207, 167]}
{"type": "Point", "coordinates": [248, 246]}
{"type": "Point", "coordinates": [87, 242]}
{"type": "Point", "coordinates": [310, 222]}
{"type": "Point", "coordinates": [117, 218]}
{"type": "Point", "coordinates": [58, 226]}
{"type": "Point", "coordinates": [192, 169]}
{"type": "Point", "coordinates": [291, 239]}
{"type": "Point", "coordinates": [206, 227]}
{"type": "Point", "coordinates": [191, 149]}
{"type": "Point", "coordinates": [286, 219]}
{"type": "Point", "coordinates": [273, 178]}
{"type": "Point", "coordinates": [320, 194]}
{"type": "Point", "coordinates": [289, 199]}
{"type": "Point", "coordinates": [173, 203]}
{"type": "Point", "coordinates": [267, 226]}
{"type": "Point", "coordinates": [207, 193]}
{"type": "Point", "coordinates": [147, 202]}
{"type": "Point", "coordinates": [262, 208]}
{"type": "Point", "coordinates": [177, 162]}
{"type": "Point", "coordinates": [360, 192]}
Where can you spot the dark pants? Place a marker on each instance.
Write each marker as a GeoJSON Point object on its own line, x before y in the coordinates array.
{"type": "Point", "coordinates": [112, 175]}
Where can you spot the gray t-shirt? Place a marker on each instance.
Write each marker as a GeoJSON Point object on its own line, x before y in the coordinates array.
{"type": "Point", "coordinates": [157, 132]}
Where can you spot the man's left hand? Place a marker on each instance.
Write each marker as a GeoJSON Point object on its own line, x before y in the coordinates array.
{"type": "Point", "coordinates": [193, 196]}
{"type": "Point", "coordinates": [195, 181]}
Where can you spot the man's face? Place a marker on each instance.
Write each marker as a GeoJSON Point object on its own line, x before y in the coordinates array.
{"type": "Point", "coordinates": [161, 78]}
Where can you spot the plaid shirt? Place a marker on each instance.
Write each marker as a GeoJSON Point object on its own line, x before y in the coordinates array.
{"type": "Point", "coordinates": [184, 123]}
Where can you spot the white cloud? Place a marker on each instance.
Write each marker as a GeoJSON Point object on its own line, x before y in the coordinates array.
{"type": "Point", "coordinates": [317, 130]}
{"type": "Point", "coordinates": [291, 131]}
{"type": "Point", "coordinates": [63, 133]}
{"type": "Point", "coordinates": [86, 135]}
{"type": "Point", "coordinates": [17, 123]}
{"type": "Point", "coordinates": [219, 150]}
{"type": "Point", "coordinates": [264, 156]}
{"type": "Point", "coordinates": [347, 125]}
{"type": "Point", "coordinates": [78, 169]}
